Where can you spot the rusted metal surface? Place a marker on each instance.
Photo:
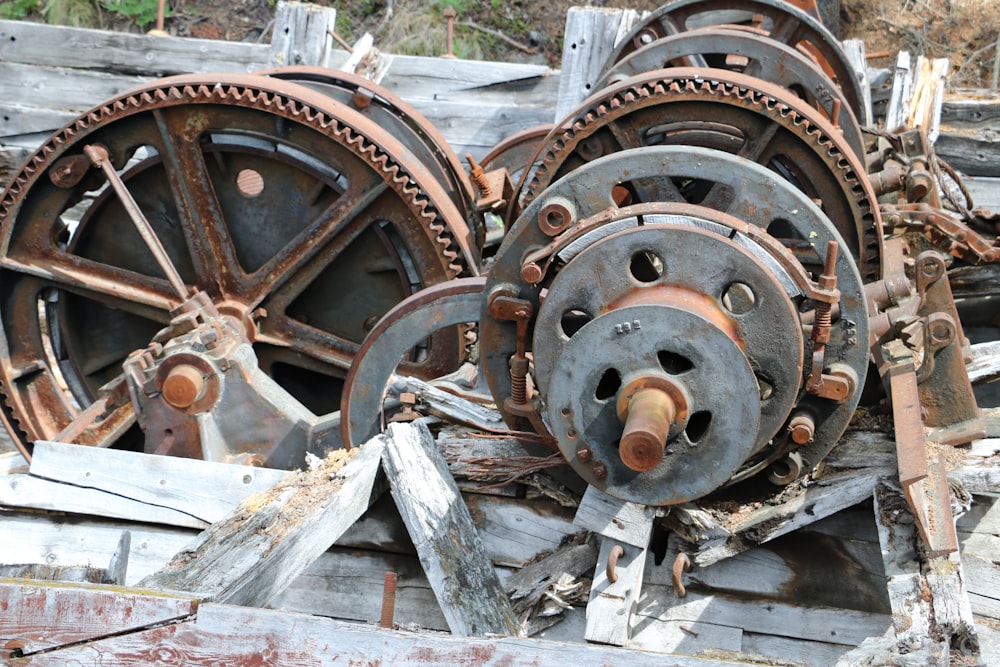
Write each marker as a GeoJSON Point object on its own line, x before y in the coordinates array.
{"type": "Point", "coordinates": [747, 51]}
{"type": "Point", "coordinates": [780, 21]}
{"type": "Point", "coordinates": [749, 117]}
{"type": "Point", "coordinates": [346, 225]}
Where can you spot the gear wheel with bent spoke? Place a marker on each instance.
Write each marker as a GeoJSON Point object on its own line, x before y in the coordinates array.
{"type": "Point", "coordinates": [288, 209]}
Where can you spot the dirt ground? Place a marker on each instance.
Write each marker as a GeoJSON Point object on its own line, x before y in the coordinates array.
{"type": "Point", "coordinates": [965, 31]}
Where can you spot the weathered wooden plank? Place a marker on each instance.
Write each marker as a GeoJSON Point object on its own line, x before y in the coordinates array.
{"type": "Point", "coordinates": [896, 114]}
{"type": "Point", "coordinates": [416, 77]}
{"type": "Point", "coordinates": [985, 191]}
{"type": "Point", "coordinates": [61, 88]}
{"type": "Point", "coordinates": [822, 624]}
{"type": "Point", "coordinates": [617, 519]}
{"type": "Point", "coordinates": [476, 128]}
{"type": "Point", "coordinates": [985, 364]}
{"type": "Point", "coordinates": [589, 37]}
{"type": "Point", "coordinates": [19, 119]}
{"type": "Point", "coordinates": [347, 584]}
{"type": "Point", "coordinates": [978, 112]}
{"type": "Point", "coordinates": [820, 499]}
{"type": "Point", "coordinates": [849, 574]}
{"type": "Point", "coordinates": [201, 490]}
{"type": "Point", "coordinates": [270, 538]}
{"type": "Point", "coordinates": [25, 491]}
{"type": "Point", "coordinates": [12, 463]}
{"type": "Point", "coordinates": [222, 634]}
{"type": "Point", "coordinates": [126, 53]}
{"type": "Point", "coordinates": [515, 531]}
{"type": "Point", "coordinates": [38, 616]}
{"type": "Point", "coordinates": [71, 540]}
{"type": "Point", "coordinates": [982, 578]}
{"type": "Point", "coordinates": [615, 592]}
{"type": "Point", "coordinates": [854, 49]}
{"type": "Point", "coordinates": [795, 651]}
{"type": "Point", "coordinates": [686, 638]}
{"type": "Point", "coordinates": [301, 35]}
{"type": "Point", "coordinates": [439, 524]}
{"type": "Point", "coordinates": [973, 153]}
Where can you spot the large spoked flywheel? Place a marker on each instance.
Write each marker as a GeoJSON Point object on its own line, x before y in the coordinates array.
{"type": "Point", "coordinates": [288, 209]}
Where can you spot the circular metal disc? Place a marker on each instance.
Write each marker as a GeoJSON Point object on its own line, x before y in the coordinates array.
{"type": "Point", "coordinates": [724, 403]}
{"type": "Point", "coordinates": [678, 264]}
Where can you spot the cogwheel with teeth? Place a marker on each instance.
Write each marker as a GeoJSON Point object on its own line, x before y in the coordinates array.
{"type": "Point", "coordinates": [725, 111]}
{"type": "Point", "coordinates": [284, 205]}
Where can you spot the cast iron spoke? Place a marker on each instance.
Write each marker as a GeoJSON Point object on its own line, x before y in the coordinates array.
{"type": "Point", "coordinates": [205, 231]}
{"type": "Point", "coordinates": [333, 230]}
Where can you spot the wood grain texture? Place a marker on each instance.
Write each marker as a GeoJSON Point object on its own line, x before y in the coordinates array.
{"type": "Point", "coordinates": [258, 549]}
{"type": "Point", "coordinates": [453, 556]}
{"type": "Point", "coordinates": [227, 635]}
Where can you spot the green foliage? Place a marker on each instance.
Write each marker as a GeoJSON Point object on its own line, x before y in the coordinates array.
{"type": "Point", "coordinates": [141, 12]}
{"type": "Point", "coordinates": [18, 9]}
{"type": "Point", "coordinates": [80, 13]}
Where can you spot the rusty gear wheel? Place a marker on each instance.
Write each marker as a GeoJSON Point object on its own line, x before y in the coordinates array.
{"type": "Point", "coordinates": [288, 209]}
{"type": "Point", "coordinates": [749, 118]}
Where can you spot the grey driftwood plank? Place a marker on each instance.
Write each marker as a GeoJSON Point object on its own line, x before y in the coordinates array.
{"type": "Point", "coordinates": [67, 540]}
{"type": "Point", "coordinates": [126, 53]}
{"type": "Point", "coordinates": [453, 556]}
{"type": "Point", "coordinates": [203, 490]}
{"type": "Point", "coordinates": [590, 35]}
{"type": "Point", "coordinates": [270, 538]}
{"type": "Point", "coordinates": [618, 519]}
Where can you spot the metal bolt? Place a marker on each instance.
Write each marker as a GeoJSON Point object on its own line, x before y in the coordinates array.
{"type": "Point", "coordinates": [801, 428]}
{"type": "Point", "coordinates": [388, 600]}
{"type": "Point", "coordinates": [600, 471]}
{"type": "Point", "coordinates": [584, 454]}
{"type": "Point", "coordinates": [449, 15]}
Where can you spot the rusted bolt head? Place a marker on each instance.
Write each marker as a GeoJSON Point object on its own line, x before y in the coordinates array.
{"type": "Point", "coordinates": [584, 454]}
{"type": "Point", "coordinates": [531, 273]}
{"type": "Point", "coordinates": [183, 386]}
{"type": "Point", "coordinates": [600, 471]}
{"type": "Point", "coordinates": [801, 429]}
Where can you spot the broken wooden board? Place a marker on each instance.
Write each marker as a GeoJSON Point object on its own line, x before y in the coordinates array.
{"type": "Point", "coordinates": [129, 485]}
{"type": "Point", "coordinates": [301, 35]}
{"type": "Point", "coordinates": [221, 634]}
{"type": "Point", "coordinates": [930, 608]}
{"type": "Point", "coordinates": [40, 616]}
{"type": "Point", "coordinates": [444, 535]}
{"type": "Point", "coordinates": [270, 538]}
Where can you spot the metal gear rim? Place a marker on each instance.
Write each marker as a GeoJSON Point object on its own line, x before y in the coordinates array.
{"type": "Point", "coordinates": [429, 205]}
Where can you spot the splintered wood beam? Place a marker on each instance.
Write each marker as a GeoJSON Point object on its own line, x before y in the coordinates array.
{"type": "Point", "coordinates": [930, 606]}
{"type": "Point", "coordinates": [270, 538]}
{"type": "Point", "coordinates": [450, 550]}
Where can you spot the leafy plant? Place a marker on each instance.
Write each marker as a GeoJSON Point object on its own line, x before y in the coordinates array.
{"type": "Point", "coordinates": [141, 12]}
{"type": "Point", "coordinates": [18, 9]}
{"type": "Point", "coordinates": [80, 13]}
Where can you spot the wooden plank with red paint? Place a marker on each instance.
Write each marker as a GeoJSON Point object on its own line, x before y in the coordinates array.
{"type": "Point", "coordinates": [247, 637]}
{"type": "Point", "coordinates": [37, 616]}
